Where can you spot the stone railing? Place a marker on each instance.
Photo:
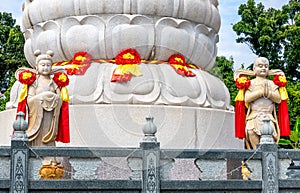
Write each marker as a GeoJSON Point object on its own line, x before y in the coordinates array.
{"type": "Point", "coordinates": [148, 168]}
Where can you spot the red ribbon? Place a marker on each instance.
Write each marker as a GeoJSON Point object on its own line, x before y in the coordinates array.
{"type": "Point", "coordinates": [240, 119]}
{"type": "Point", "coordinates": [63, 134]}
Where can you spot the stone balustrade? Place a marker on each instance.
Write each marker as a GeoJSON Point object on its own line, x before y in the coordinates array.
{"type": "Point", "coordinates": [150, 169]}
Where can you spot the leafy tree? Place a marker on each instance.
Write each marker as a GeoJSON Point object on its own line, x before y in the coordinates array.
{"type": "Point", "coordinates": [293, 89]}
{"type": "Point", "coordinates": [292, 38]}
{"type": "Point", "coordinates": [272, 33]}
{"type": "Point", "coordinates": [11, 54]}
{"type": "Point", "coordinates": [5, 98]}
{"type": "Point", "coordinates": [275, 34]}
{"type": "Point", "coordinates": [11, 49]}
{"type": "Point", "coordinates": [294, 139]}
{"type": "Point", "coordinates": [224, 70]}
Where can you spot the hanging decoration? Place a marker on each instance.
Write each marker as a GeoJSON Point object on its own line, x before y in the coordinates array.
{"type": "Point", "coordinates": [242, 83]}
{"type": "Point", "coordinates": [62, 81]}
{"type": "Point", "coordinates": [27, 78]}
{"type": "Point", "coordinates": [283, 115]}
{"type": "Point", "coordinates": [127, 61]}
{"type": "Point", "coordinates": [78, 65]}
{"type": "Point", "coordinates": [177, 61]}
{"type": "Point", "coordinates": [128, 65]}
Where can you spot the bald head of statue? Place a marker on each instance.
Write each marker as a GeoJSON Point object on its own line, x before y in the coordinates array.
{"type": "Point", "coordinates": [261, 67]}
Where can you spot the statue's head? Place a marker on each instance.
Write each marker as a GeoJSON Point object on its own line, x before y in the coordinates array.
{"type": "Point", "coordinates": [261, 67]}
{"type": "Point", "coordinates": [44, 62]}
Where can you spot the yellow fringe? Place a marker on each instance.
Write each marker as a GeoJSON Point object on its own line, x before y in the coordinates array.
{"type": "Point", "coordinates": [23, 93]}
{"type": "Point", "coordinates": [64, 95]}
{"type": "Point", "coordinates": [134, 69]}
{"type": "Point", "coordinates": [241, 95]}
{"type": "Point", "coordinates": [283, 93]}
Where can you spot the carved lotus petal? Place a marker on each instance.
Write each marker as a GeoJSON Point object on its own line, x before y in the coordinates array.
{"type": "Point", "coordinates": [184, 91]}
{"type": "Point", "coordinates": [94, 78]}
{"type": "Point", "coordinates": [44, 37]}
{"type": "Point", "coordinates": [199, 11]}
{"type": "Point", "coordinates": [28, 49]}
{"type": "Point", "coordinates": [143, 89]}
{"type": "Point", "coordinates": [217, 92]}
{"type": "Point", "coordinates": [205, 50]}
{"type": "Point", "coordinates": [173, 36]}
{"type": "Point", "coordinates": [160, 84]}
{"type": "Point", "coordinates": [124, 31]}
{"type": "Point", "coordinates": [83, 35]}
{"type": "Point", "coordinates": [45, 10]}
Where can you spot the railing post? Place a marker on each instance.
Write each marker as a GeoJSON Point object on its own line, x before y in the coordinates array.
{"type": "Point", "coordinates": [270, 166]}
{"type": "Point", "coordinates": [151, 159]}
{"type": "Point", "coordinates": [19, 156]}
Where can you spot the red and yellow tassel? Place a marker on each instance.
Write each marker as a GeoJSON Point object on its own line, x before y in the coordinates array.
{"type": "Point", "coordinates": [242, 84]}
{"type": "Point", "coordinates": [62, 82]}
{"type": "Point", "coordinates": [283, 114]}
{"type": "Point", "coordinates": [27, 78]}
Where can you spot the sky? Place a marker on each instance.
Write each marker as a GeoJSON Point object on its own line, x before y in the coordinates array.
{"type": "Point", "coordinates": [228, 10]}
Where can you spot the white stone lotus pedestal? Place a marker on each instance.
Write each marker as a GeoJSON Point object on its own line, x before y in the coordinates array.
{"type": "Point", "coordinates": [190, 112]}
{"type": "Point", "coordinates": [121, 126]}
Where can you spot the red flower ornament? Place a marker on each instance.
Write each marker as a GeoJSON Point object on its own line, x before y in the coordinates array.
{"type": "Point", "coordinates": [177, 59]}
{"type": "Point", "coordinates": [27, 77]}
{"type": "Point", "coordinates": [177, 62]}
{"type": "Point", "coordinates": [280, 80]}
{"type": "Point", "coordinates": [242, 82]}
{"type": "Point", "coordinates": [128, 61]}
{"type": "Point", "coordinates": [80, 63]}
{"type": "Point", "coordinates": [82, 58]}
{"type": "Point", "coordinates": [128, 56]}
{"type": "Point", "coordinates": [61, 79]}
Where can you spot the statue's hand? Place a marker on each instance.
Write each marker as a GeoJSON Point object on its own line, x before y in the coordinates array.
{"type": "Point", "coordinates": [260, 92]}
{"type": "Point", "coordinates": [47, 95]}
{"type": "Point", "coordinates": [266, 89]}
{"type": "Point", "coordinates": [49, 100]}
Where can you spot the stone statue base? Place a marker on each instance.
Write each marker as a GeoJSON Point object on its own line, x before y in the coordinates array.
{"type": "Point", "coordinates": [106, 125]}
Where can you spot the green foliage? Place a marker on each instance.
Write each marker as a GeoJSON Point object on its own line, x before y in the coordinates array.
{"type": "Point", "coordinates": [5, 99]}
{"type": "Point", "coordinates": [224, 70]}
{"type": "Point", "coordinates": [272, 33]}
{"type": "Point", "coordinates": [294, 139]}
{"type": "Point", "coordinates": [275, 34]}
{"type": "Point", "coordinates": [11, 49]}
{"type": "Point", "coordinates": [293, 89]}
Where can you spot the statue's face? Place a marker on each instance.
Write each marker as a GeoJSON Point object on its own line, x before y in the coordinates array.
{"type": "Point", "coordinates": [261, 67]}
{"type": "Point", "coordinates": [44, 67]}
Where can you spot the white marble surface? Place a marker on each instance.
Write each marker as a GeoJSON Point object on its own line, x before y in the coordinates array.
{"type": "Point", "coordinates": [190, 112]}
{"type": "Point", "coordinates": [121, 126]}
{"type": "Point", "coordinates": [104, 37]}
{"type": "Point", "coordinates": [159, 85]}
{"type": "Point", "coordinates": [200, 11]}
